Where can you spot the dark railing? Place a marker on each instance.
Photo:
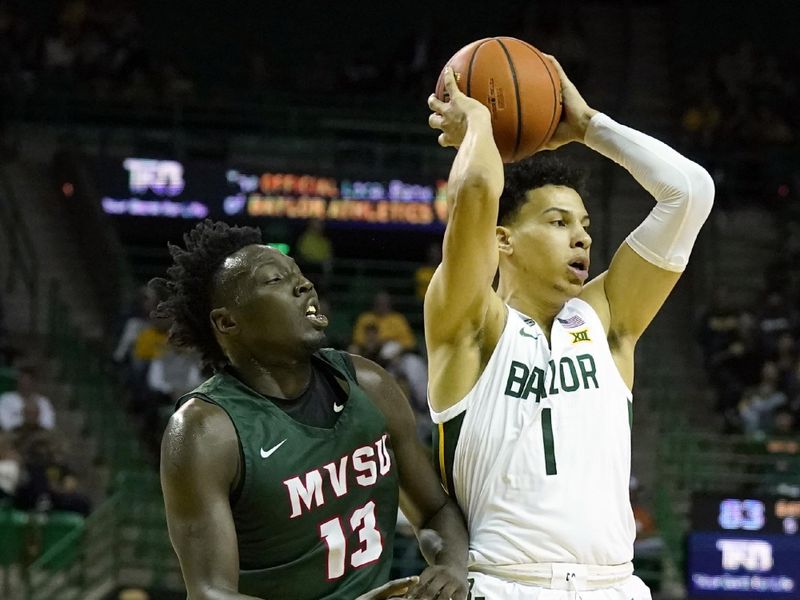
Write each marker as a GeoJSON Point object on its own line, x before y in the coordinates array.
{"type": "Point", "coordinates": [23, 263]}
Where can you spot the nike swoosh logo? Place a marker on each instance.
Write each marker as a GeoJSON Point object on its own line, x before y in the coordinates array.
{"type": "Point", "coordinates": [338, 407]}
{"type": "Point", "coordinates": [530, 335]}
{"type": "Point", "coordinates": [268, 453]}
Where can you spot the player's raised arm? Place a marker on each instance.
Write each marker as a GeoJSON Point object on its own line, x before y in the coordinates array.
{"type": "Point", "coordinates": [457, 299]}
{"type": "Point", "coordinates": [199, 455]}
{"type": "Point", "coordinates": [646, 267]}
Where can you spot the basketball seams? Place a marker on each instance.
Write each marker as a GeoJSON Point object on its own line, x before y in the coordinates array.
{"type": "Point", "coordinates": [496, 67]}
{"type": "Point", "coordinates": [471, 62]}
{"type": "Point", "coordinates": [516, 96]}
{"type": "Point", "coordinates": [556, 88]}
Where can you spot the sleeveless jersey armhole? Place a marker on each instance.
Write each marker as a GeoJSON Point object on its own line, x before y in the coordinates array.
{"type": "Point", "coordinates": [241, 472]}
{"type": "Point", "coordinates": [588, 309]}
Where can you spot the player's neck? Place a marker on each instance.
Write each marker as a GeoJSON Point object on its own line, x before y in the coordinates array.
{"type": "Point", "coordinates": [284, 379]}
{"type": "Point", "coordinates": [541, 309]}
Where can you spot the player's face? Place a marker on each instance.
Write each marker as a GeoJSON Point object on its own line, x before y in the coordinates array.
{"type": "Point", "coordinates": [549, 240]}
{"type": "Point", "coordinates": [274, 306]}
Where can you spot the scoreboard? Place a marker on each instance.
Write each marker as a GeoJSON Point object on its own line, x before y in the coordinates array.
{"type": "Point", "coordinates": [743, 547]}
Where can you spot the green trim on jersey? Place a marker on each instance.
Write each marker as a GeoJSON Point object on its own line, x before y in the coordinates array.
{"type": "Point", "coordinates": [445, 440]}
{"type": "Point", "coordinates": [630, 414]}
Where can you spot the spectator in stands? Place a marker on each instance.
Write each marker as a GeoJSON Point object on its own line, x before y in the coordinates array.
{"type": "Point", "coordinates": [175, 372]}
{"type": "Point", "coordinates": [391, 325]}
{"type": "Point", "coordinates": [758, 404]}
{"type": "Point", "coordinates": [14, 406]}
{"type": "Point", "coordinates": [371, 343]}
{"type": "Point", "coordinates": [10, 468]}
{"type": "Point", "coordinates": [718, 324]}
{"type": "Point", "coordinates": [785, 358]}
{"type": "Point", "coordinates": [736, 366]}
{"type": "Point", "coordinates": [134, 324]}
{"type": "Point", "coordinates": [411, 372]}
{"type": "Point", "coordinates": [48, 482]}
{"type": "Point", "coordinates": [315, 254]}
{"type": "Point", "coordinates": [150, 344]}
{"type": "Point", "coordinates": [424, 273]}
{"type": "Point", "coordinates": [776, 318]}
{"type": "Point", "coordinates": [169, 376]}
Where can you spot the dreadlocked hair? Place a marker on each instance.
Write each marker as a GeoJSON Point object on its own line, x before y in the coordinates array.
{"type": "Point", "coordinates": [185, 295]}
{"type": "Point", "coordinates": [541, 169]}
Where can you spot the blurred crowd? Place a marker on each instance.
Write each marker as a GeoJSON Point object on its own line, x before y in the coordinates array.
{"type": "Point", "coordinates": [92, 47]}
{"type": "Point", "coordinates": [738, 118]}
{"type": "Point", "coordinates": [752, 357]}
{"type": "Point", "coordinates": [100, 48]}
{"type": "Point", "coordinates": [35, 455]}
{"type": "Point", "coordinates": [746, 96]}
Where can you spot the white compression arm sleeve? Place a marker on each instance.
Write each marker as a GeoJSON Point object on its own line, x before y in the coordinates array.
{"type": "Point", "coordinates": [684, 191]}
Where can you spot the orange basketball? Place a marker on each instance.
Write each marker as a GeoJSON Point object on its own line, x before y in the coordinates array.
{"type": "Point", "coordinates": [518, 85]}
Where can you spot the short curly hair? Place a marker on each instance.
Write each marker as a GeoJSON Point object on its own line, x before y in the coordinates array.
{"type": "Point", "coordinates": [543, 168]}
{"type": "Point", "coordinates": [185, 295]}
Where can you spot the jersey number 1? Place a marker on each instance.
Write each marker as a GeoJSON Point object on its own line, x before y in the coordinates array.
{"type": "Point", "coordinates": [549, 443]}
{"type": "Point", "coordinates": [362, 522]}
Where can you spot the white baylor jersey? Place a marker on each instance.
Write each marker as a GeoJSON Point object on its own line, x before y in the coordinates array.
{"type": "Point", "coordinates": [538, 453]}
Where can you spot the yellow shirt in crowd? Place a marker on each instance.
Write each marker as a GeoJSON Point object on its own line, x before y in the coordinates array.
{"type": "Point", "coordinates": [391, 326]}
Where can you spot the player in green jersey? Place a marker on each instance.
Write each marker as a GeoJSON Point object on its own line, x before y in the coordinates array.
{"type": "Point", "coordinates": [281, 473]}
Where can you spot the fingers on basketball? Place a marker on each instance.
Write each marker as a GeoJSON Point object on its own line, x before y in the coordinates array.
{"type": "Point", "coordinates": [450, 83]}
{"type": "Point", "coordinates": [435, 104]}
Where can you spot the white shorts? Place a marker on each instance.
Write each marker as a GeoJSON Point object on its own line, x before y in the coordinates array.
{"type": "Point", "coordinates": [492, 588]}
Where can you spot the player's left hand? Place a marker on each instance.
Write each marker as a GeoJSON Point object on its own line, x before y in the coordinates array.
{"type": "Point", "coordinates": [575, 113]}
{"type": "Point", "coordinates": [440, 583]}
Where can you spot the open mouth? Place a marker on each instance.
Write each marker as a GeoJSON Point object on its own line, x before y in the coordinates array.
{"type": "Point", "coordinates": [580, 268]}
{"type": "Point", "coordinates": [312, 314]}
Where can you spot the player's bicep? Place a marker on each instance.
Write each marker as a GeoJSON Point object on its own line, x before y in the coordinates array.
{"type": "Point", "coordinates": [636, 289]}
{"type": "Point", "coordinates": [421, 493]}
{"type": "Point", "coordinates": [198, 463]}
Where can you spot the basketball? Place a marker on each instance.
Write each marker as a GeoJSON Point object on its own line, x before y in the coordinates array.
{"type": "Point", "coordinates": [518, 85]}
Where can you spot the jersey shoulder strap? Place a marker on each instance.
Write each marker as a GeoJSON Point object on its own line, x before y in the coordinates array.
{"type": "Point", "coordinates": [341, 361]}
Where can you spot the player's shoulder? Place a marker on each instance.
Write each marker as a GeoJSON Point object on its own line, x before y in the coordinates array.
{"type": "Point", "coordinates": [197, 419]}
{"type": "Point", "coordinates": [370, 375]}
{"type": "Point", "coordinates": [199, 438]}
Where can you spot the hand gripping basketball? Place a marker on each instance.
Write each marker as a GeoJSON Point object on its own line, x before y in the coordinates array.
{"type": "Point", "coordinates": [575, 116]}
{"type": "Point", "coordinates": [452, 116]}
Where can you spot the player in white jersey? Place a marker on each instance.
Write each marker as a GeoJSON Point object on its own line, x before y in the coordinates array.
{"type": "Point", "coordinates": [530, 384]}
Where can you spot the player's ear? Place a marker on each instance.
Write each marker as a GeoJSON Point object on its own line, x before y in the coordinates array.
{"type": "Point", "coordinates": [504, 240]}
{"type": "Point", "coordinates": [223, 321]}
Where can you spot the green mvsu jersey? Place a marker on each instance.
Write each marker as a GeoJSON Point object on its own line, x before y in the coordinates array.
{"type": "Point", "coordinates": [316, 508]}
